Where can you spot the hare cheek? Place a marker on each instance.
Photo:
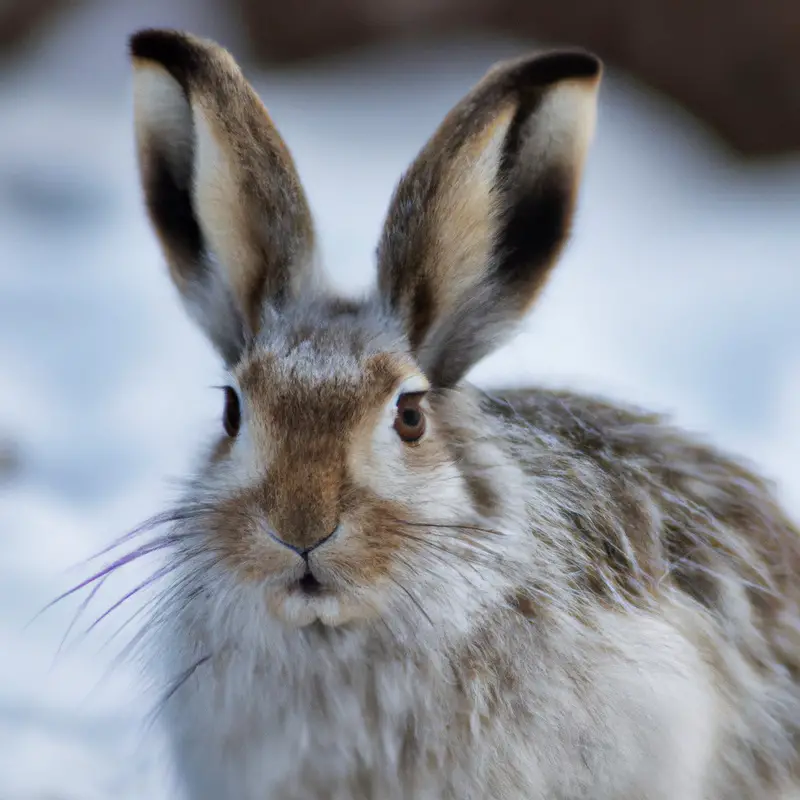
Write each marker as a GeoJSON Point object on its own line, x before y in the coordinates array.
{"type": "Point", "coordinates": [421, 477]}
{"type": "Point", "coordinates": [248, 459]}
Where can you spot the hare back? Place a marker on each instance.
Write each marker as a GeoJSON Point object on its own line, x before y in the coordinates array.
{"type": "Point", "coordinates": [652, 515]}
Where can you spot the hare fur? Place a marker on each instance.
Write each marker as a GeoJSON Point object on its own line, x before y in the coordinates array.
{"type": "Point", "coordinates": [386, 583]}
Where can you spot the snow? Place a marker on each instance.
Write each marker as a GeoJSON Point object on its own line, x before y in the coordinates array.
{"type": "Point", "coordinates": [681, 290]}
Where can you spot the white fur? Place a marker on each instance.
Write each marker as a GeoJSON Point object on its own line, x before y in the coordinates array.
{"type": "Point", "coordinates": [563, 127]}
{"type": "Point", "coordinates": [162, 114]}
{"type": "Point", "coordinates": [284, 716]}
{"type": "Point", "coordinates": [216, 188]}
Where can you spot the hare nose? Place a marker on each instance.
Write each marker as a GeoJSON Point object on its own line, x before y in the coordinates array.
{"type": "Point", "coordinates": [304, 552]}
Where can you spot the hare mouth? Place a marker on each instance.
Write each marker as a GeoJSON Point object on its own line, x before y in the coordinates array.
{"type": "Point", "coordinates": [309, 585]}
{"type": "Point", "coordinates": [306, 598]}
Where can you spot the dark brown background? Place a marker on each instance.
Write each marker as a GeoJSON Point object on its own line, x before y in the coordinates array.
{"type": "Point", "coordinates": [734, 63]}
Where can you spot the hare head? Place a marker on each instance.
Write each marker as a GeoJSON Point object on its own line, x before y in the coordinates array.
{"type": "Point", "coordinates": [355, 468]}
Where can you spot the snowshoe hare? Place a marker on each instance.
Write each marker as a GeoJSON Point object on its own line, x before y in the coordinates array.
{"type": "Point", "coordinates": [386, 583]}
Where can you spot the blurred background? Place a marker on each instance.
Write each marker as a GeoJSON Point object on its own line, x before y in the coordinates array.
{"type": "Point", "coordinates": [680, 291]}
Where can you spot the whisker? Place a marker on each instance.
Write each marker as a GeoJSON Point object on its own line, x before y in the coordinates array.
{"type": "Point", "coordinates": [380, 618]}
{"type": "Point", "coordinates": [78, 614]}
{"type": "Point", "coordinates": [438, 545]}
{"type": "Point", "coordinates": [157, 575]}
{"type": "Point", "coordinates": [451, 526]}
{"type": "Point", "coordinates": [447, 562]}
{"type": "Point", "coordinates": [467, 543]}
{"type": "Point", "coordinates": [118, 563]}
{"type": "Point", "coordinates": [158, 607]}
{"type": "Point", "coordinates": [159, 543]}
{"type": "Point", "coordinates": [167, 595]}
{"type": "Point", "coordinates": [183, 513]}
{"type": "Point", "coordinates": [176, 686]}
{"type": "Point", "coordinates": [412, 598]}
{"type": "Point", "coordinates": [149, 524]}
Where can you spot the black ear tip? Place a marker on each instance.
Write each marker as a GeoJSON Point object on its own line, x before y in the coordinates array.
{"type": "Point", "coordinates": [176, 51]}
{"type": "Point", "coordinates": [151, 43]}
{"type": "Point", "coordinates": [559, 65]}
{"type": "Point", "coordinates": [578, 64]}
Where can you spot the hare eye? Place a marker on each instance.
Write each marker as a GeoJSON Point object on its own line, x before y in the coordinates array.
{"type": "Point", "coordinates": [410, 419]}
{"type": "Point", "coordinates": [232, 415]}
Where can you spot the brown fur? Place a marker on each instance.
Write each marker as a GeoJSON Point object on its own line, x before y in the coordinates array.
{"type": "Point", "coordinates": [306, 474]}
{"type": "Point", "coordinates": [634, 452]}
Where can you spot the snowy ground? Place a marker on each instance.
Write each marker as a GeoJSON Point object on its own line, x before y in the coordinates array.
{"type": "Point", "coordinates": [681, 290]}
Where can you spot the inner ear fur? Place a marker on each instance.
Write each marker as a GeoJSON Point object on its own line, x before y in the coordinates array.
{"type": "Point", "coordinates": [481, 215]}
{"type": "Point", "coordinates": [220, 186]}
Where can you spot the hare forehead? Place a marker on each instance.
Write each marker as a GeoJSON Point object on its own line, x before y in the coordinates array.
{"type": "Point", "coordinates": [331, 372]}
{"type": "Point", "coordinates": [321, 340]}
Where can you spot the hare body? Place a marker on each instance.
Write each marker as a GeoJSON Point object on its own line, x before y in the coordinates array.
{"type": "Point", "coordinates": [385, 583]}
{"type": "Point", "coordinates": [670, 682]}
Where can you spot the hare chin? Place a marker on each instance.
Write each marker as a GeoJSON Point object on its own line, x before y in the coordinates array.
{"type": "Point", "coordinates": [297, 609]}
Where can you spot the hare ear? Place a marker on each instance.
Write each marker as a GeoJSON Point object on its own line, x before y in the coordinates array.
{"type": "Point", "coordinates": [220, 186]}
{"type": "Point", "coordinates": [483, 212]}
